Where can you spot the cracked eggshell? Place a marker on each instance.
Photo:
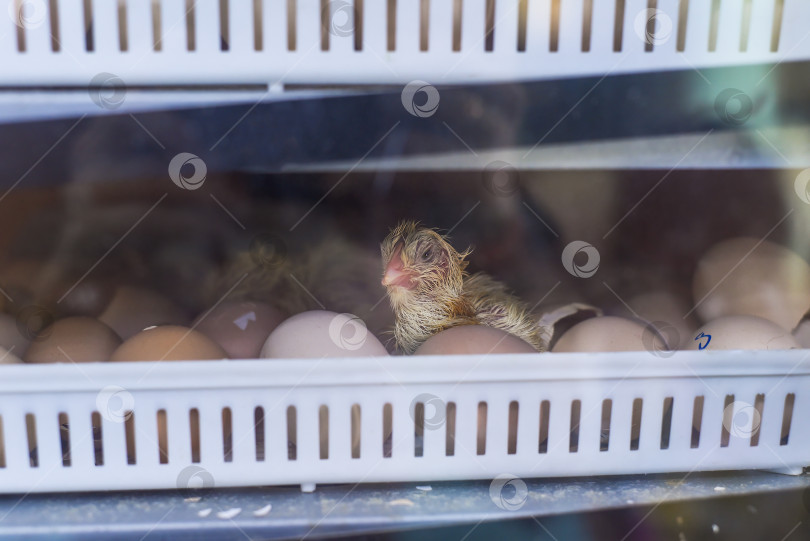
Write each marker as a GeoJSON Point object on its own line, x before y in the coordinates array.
{"type": "Point", "coordinates": [742, 332]}
{"type": "Point", "coordinates": [320, 333]}
{"type": "Point", "coordinates": [608, 333]}
{"type": "Point", "coordinates": [473, 340]}
{"type": "Point", "coordinates": [240, 327]}
{"type": "Point", "coordinates": [747, 276]}
{"type": "Point", "coordinates": [168, 343]}
{"type": "Point", "coordinates": [77, 339]}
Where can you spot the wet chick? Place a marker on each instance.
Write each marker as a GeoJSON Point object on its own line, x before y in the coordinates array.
{"type": "Point", "coordinates": [430, 291]}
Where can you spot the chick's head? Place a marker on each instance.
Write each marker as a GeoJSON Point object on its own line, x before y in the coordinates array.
{"type": "Point", "coordinates": [419, 262]}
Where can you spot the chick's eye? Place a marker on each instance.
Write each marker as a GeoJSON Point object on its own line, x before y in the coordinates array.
{"type": "Point", "coordinates": [427, 254]}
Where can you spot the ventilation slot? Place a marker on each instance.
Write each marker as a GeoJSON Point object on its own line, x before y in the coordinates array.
{"type": "Point", "coordinates": [64, 438]}
{"type": "Point", "coordinates": [323, 426]}
{"type": "Point", "coordinates": [387, 423]}
{"type": "Point", "coordinates": [163, 437]}
{"type": "Point", "coordinates": [258, 30]}
{"type": "Point", "coordinates": [604, 434]}
{"type": "Point", "coordinates": [554, 34]}
{"type": "Point", "coordinates": [2, 444]}
{"type": "Point", "coordinates": [714, 23]}
{"type": "Point", "coordinates": [418, 429]}
{"type": "Point", "coordinates": [89, 43]}
{"type": "Point", "coordinates": [450, 438]}
{"type": "Point", "coordinates": [224, 26]}
{"type": "Point", "coordinates": [489, 30]}
{"type": "Point", "coordinates": [98, 449]}
{"type": "Point", "coordinates": [635, 424]}
{"type": "Point", "coordinates": [618, 25]}
{"type": "Point", "coordinates": [123, 44]}
{"type": "Point", "coordinates": [291, 24]}
{"type": "Point", "coordinates": [424, 23]}
{"type": "Point", "coordinates": [746, 25]}
{"type": "Point", "coordinates": [511, 444]}
{"type": "Point", "coordinates": [573, 438]}
{"type": "Point", "coordinates": [666, 422]}
{"type": "Point", "coordinates": [31, 429]}
{"type": "Point", "coordinates": [191, 25]}
{"type": "Point", "coordinates": [787, 418]}
{"type": "Point", "coordinates": [457, 25]}
{"type": "Point", "coordinates": [756, 426]}
{"type": "Point", "coordinates": [683, 17]}
{"type": "Point", "coordinates": [129, 436]}
{"type": "Point", "coordinates": [356, 420]}
{"type": "Point", "coordinates": [728, 420]}
{"type": "Point", "coordinates": [292, 433]}
{"type": "Point", "coordinates": [53, 9]}
{"type": "Point", "coordinates": [776, 29]}
{"type": "Point", "coordinates": [227, 435]}
{"type": "Point", "coordinates": [587, 25]}
{"type": "Point", "coordinates": [542, 446]}
{"type": "Point", "coordinates": [258, 428]}
{"type": "Point", "coordinates": [649, 31]}
{"type": "Point", "coordinates": [157, 24]}
{"type": "Point", "coordinates": [481, 440]}
{"type": "Point", "coordinates": [391, 30]}
{"type": "Point", "coordinates": [697, 421]}
{"type": "Point", "coordinates": [194, 428]}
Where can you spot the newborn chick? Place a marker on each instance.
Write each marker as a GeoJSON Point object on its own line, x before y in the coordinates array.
{"type": "Point", "coordinates": [430, 291]}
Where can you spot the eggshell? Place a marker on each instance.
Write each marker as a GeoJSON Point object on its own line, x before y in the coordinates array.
{"type": "Point", "coordinates": [665, 311]}
{"type": "Point", "coordinates": [73, 339]}
{"type": "Point", "coordinates": [10, 336]}
{"type": "Point", "coordinates": [168, 343]}
{"type": "Point", "coordinates": [132, 309]}
{"type": "Point", "coordinates": [742, 332]}
{"type": "Point", "coordinates": [240, 327]}
{"type": "Point", "coordinates": [473, 340]}
{"type": "Point", "coordinates": [7, 357]}
{"type": "Point", "coordinates": [739, 277]}
{"type": "Point", "coordinates": [320, 333]}
{"type": "Point", "coordinates": [607, 333]}
{"type": "Point", "coordinates": [802, 333]}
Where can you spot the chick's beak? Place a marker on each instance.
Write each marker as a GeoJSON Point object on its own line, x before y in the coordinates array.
{"type": "Point", "coordinates": [395, 272]}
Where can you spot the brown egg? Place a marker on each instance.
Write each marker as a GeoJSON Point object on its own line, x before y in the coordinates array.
{"type": "Point", "coordinates": [608, 333]}
{"type": "Point", "coordinates": [168, 343]}
{"type": "Point", "coordinates": [11, 338]}
{"type": "Point", "coordinates": [240, 327]}
{"type": "Point", "coordinates": [802, 333]}
{"type": "Point", "coordinates": [742, 332]}
{"type": "Point", "coordinates": [318, 334]}
{"type": "Point", "coordinates": [473, 340]}
{"type": "Point", "coordinates": [665, 312]}
{"type": "Point", "coordinates": [132, 309]}
{"type": "Point", "coordinates": [748, 276]}
{"type": "Point", "coordinates": [73, 339]}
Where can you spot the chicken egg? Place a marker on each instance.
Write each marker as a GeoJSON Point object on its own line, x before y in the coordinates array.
{"type": "Point", "coordinates": [76, 339]}
{"type": "Point", "coordinates": [609, 333]}
{"type": "Point", "coordinates": [665, 311]}
{"type": "Point", "coordinates": [742, 332]}
{"type": "Point", "coordinates": [168, 343]}
{"type": "Point", "coordinates": [132, 309]}
{"type": "Point", "coordinates": [801, 333]}
{"type": "Point", "coordinates": [473, 340]}
{"type": "Point", "coordinates": [749, 276]}
{"type": "Point", "coordinates": [240, 327]}
{"type": "Point", "coordinates": [10, 336]}
{"type": "Point", "coordinates": [320, 333]}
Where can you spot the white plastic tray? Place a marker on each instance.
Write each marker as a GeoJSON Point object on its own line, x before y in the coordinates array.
{"type": "Point", "coordinates": [320, 42]}
{"type": "Point", "coordinates": [736, 430]}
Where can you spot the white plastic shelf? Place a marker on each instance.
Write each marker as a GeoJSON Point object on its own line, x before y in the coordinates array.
{"type": "Point", "coordinates": [320, 42]}
{"type": "Point", "coordinates": [752, 415]}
